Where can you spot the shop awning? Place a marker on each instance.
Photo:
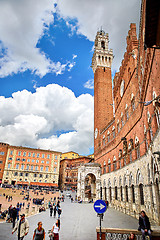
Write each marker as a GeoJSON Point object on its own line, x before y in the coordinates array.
{"type": "Point", "coordinates": [43, 184]}
{"type": "Point", "coordinates": [22, 183]}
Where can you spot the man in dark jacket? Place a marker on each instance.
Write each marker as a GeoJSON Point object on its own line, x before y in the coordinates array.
{"type": "Point", "coordinates": [51, 210]}
{"type": "Point", "coordinates": [14, 215]}
{"type": "Point", "coordinates": [144, 225]}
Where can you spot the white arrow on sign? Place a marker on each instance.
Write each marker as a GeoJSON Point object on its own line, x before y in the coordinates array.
{"type": "Point", "coordinates": [101, 206]}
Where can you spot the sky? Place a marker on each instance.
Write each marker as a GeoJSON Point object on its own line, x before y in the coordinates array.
{"type": "Point", "coordinates": [46, 80]}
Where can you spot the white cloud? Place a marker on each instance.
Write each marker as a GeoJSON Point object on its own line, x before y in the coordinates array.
{"type": "Point", "coordinates": [89, 84]}
{"type": "Point", "coordinates": [33, 119]}
{"type": "Point", "coordinates": [22, 24]}
{"type": "Point", "coordinates": [113, 16]}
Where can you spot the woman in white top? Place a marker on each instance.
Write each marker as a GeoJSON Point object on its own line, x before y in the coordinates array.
{"type": "Point", "coordinates": [55, 230]}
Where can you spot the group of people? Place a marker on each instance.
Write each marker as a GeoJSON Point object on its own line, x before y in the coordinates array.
{"type": "Point", "coordinates": [22, 228]}
{"type": "Point", "coordinates": [10, 198]}
{"type": "Point", "coordinates": [55, 208]}
{"type": "Point", "coordinates": [13, 212]}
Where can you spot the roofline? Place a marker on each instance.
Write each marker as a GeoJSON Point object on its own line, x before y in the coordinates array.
{"type": "Point", "coordinates": [37, 149]}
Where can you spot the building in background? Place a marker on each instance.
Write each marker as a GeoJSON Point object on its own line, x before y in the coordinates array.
{"type": "Point", "coordinates": [68, 173]}
{"type": "Point", "coordinates": [3, 156]}
{"type": "Point", "coordinates": [127, 118]}
{"type": "Point", "coordinates": [31, 167]}
{"type": "Point", "coordinates": [69, 155]}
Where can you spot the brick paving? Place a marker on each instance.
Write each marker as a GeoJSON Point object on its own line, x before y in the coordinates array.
{"type": "Point", "coordinates": [17, 197]}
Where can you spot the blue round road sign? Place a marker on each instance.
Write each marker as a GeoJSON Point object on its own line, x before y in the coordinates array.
{"type": "Point", "coordinates": [100, 206]}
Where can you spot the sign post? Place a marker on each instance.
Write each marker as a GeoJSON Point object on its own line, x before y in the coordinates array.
{"type": "Point", "coordinates": [100, 207]}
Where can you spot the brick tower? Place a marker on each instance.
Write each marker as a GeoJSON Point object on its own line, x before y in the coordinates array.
{"type": "Point", "coordinates": [103, 101]}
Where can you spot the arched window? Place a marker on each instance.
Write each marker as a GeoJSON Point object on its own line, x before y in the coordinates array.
{"type": "Point", "coordinates": [126, 112]}
{"type": "Point", "coordinates": [104, 140]}
{"type": "Point", "coordinates": [137, 147]}
{"type": "Point", "coordinates": [141, 194]}
{"type": "Point", "coordinates": [126, 188]}
{"type": "Point", "coordinates": [108, 136]}
{"type": "Point", "coordinates": [121, 193]}
{"type": "Point", "coordinates": [133, 104]}
{"type": "Point", "coordinates": [133, 194]}
{"type": "Point", "coordinates": [103, 44]}
{"type": "Point", "coordinates": [110, 194]}
{"type": "Point", "coordinates": [105, 193]}
{"type": "Point", "coordinates": [113, 132]}
{"type": "Point", "coordinates": [138, 151]}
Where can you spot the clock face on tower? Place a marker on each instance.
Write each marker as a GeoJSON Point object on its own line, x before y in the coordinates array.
{"type": "Point", "coordinates": [122, 88]}
{"type": "Point", "coordinates": [96, 133]}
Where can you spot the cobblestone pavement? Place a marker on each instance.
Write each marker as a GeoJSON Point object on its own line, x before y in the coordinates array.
{"type": "Point", "coordinates": [78, 222]}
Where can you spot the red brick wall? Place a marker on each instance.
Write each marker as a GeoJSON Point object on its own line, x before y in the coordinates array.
{"type": "Point", "coordinates": [140, 70]}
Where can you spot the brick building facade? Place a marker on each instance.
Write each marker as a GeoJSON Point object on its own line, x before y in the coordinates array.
{"type": "Point", "coordinates": [68, 173]}
{"type": "Point", "coordinates": [3, 156]}
{"type": "Point", "coordinates": [127, 137]}
{"type": "Point", "coordinates": [29, 166]}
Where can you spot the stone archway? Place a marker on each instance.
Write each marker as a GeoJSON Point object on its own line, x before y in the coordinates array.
{"type": "Point", "coordinates": [89, 182]}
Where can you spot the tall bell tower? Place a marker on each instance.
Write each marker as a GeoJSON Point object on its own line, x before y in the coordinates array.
{"type": "Point", "coordinates": [103, 100]}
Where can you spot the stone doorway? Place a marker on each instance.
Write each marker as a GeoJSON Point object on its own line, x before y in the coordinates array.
{"type": "Point", "coordinates": [88, 187]}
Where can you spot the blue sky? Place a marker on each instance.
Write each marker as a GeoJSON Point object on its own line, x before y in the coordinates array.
{"type": "Point", "coordinates": [46, 82]}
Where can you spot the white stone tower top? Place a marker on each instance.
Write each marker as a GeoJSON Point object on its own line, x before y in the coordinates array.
{"type": "Point", "coordinates": [102, 56]}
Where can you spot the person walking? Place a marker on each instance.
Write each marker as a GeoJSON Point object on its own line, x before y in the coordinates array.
{"type": "Point", "coordinates": [22, 226]}
{"type": "Point", "coordinates": [144, 225]}
{"type": "Point", "coordinates": [14, 216]}
{"type": "Point", "coordinates": [18, 210]}
{"type": "Point", "coordinates": [51, 210]}
{"type": "Point", "coordinates": [55, 210]}
{"type": "Point", "coordinates": [55, 230]}
{"type": "Point", "coordinates": [59, 212]}
{"type": "Point", "coordinates": [39, 232]}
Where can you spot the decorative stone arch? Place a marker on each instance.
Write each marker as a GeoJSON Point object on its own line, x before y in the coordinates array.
{"type": "Point", "coordinates": [140, 184]}
{"type": "Point", "coordinates": [136, 141]}
{"type": "Point", "coordinates": [139, 177]}
{"type": "Point", "coordinates": [120, 181]}
{"type": "Point", "coordinates": [109, 183]}
{"type": "Point", "coordinates": [131, 180]}
{"type": "Point", "coordinates": [115, 182]}
{"type": "Point", "coordinates": [104, 183]}
{"type": "Point", "coordinates": [89, 182]}
{"type": "Point", "coordinates": [125, 182]}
